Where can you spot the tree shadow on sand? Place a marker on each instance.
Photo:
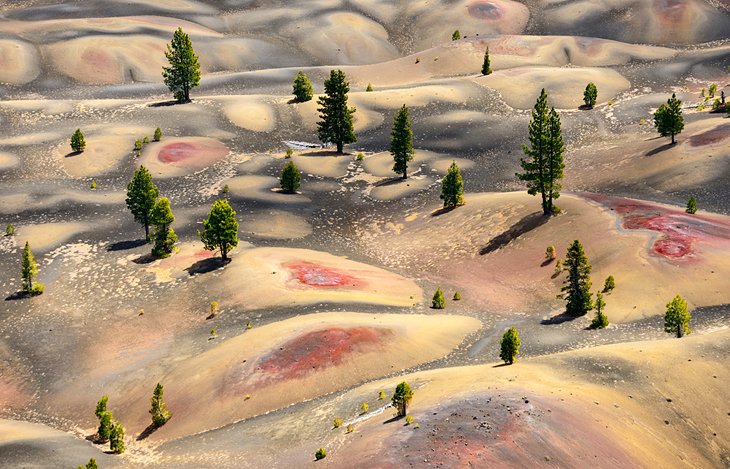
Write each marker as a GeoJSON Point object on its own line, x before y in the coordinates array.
{"type": "Point", "coordinates": [151, 428]}
{"type": "Point", "coordinates": [558, 319]}
{"type": "Point", "coordinates": [144, 259]}
{"type": "Point", "coordinates": [390, 181]}
{"type": "Point", "coordinates": [393, 419]}
{"type": "Point", "coordinates": [206, 265]}
{"type": "Point", "coordinates": [125, 245]}
{"type": "Point", "coordinates": [166, 103]}
{"type": "Point", "coordinates": [660, 149]}
{"type": "Point", "coordinates": [325, 153]}
{"type": "Point", "coordinates": [525, 225]}
{"type": "Point", "coordinates": [72, 154]}
{"type": "Point", "coordinates": [19, 295]}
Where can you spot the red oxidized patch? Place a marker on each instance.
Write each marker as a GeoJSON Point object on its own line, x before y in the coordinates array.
{"type": "Point", "coordinates": [315, 275]}
{"type": "Point", "coordinates": [177, 152]}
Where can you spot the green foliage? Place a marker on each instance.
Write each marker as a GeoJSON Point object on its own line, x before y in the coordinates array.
{"type": "Point", "coordinates": [213, 332]}
{"type": "Point", "coordinates": [381, 395]}
{"type": "Point", "coordinates": [409, 419]}
{"type": "Point", "coordinates": [487, 64]}
{"type": "Point", "coordinates": [401, 398]}
{"type": "Point", "coordinates": [141, 196]}
{"type": "Point", "coordinates": [369, 88]}
{"type": "Point", "coordinates": [213, 309]}
{"type": "Point", "coordinates": [92, 186]}
{"type": "Point", "coordinates": [590, 95]}
{"type": "Point", "coordinates": [249, 325]}
{"type": "Point", "coordinates": [78, 144]}
{"type": "Point", "coordinates": [401, 142]}
{"type": "Point", "coordinates": [9, 229]}
{"type": "Point", "coordinates": [360, 156]}
{"type": "Point", "coordinates": [550, 253]}
{"type": "Point", "coordinates": [116, 438]}
{"type": "Point", "coordinates": [364, 407]}
{"type": "Point", "coordinates": [600, 320]}
{"type": "Point", "coordinates": [452, 187]}
{"type": "Point", "coordinates": [677, 317]}
{"type": "Point", "coordinates": [29, 270]}
{"type": "Point", "coordinates": [577, 287]}
{"type": "Point", "coordinates": [438, 301]}
{"type": "Point", "coordinates": [545, 165]}
{"type": "Point", "coordinates": [337, 423]}
{"type": "Point", "coordinates": [713, 90]}
{"type": "Point", "coordinates": [457, 296]}
{"type": "Point", "coordinates": [717, 105]}
{"type": "Point", "coordinates": [668, 119]}
{"type": "Point", "coordinates": [558, 267]}
{"type": "Point", "coordinates": [220, 229]}
{"type": "Point", "coordinates": [90, 465]}
{"type": "Point", "coordinates": [158, 134]}
{"type": "Point", "coordinates": [289, 153]}
{"type": "Point", "coordinates": [164, 237]}
{"type": "Point", "coordinates": [303, 90]}
{"type": "Point", "coordinates": [290, 179]}
{"type": "Point", "coordinates": [609, 284]}
{"type": "Point", "coordinates": [510, 346]}
{"type": "Point", "coordinates": [159, 411]}
{"type": "Point", "coordinates": [101, 406]}
{"type": "Point", "coordinates": [691, 206]}
{"type": "Point", "coordinates": [335, 125]}
{"type": "Point", "coordinates": [702, 93]}
{"type": "Point", "coordinates": [320, 454]}
{"type": "Point", "coordinates": [418, 60]}
{"type": "Point", "coordinates": [350, 428]}
{"type": "Point", "coordinates": [145, 140]}
{"type": "Point", "coordinates": [106, 423]}
{"type": "Point", "coordinates": [456, 35]}
{"type": "Point", "coordinates": [183, 74]}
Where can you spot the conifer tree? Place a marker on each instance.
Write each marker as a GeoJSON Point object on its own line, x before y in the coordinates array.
{"type": "Point", "coordinates": [158, 134]}
{"type": "Point", "coordinates": [401, 142]}
{"type": "Point", "coordinates": [590, 95]}
{"type": "Point", "coordinates": [165, 238]}
{"type": "Point", "coordinates": [303, 90]}
{"type": "Point", "coordinates": [116, 438]}
{"type": "Point", "coordinates": [290, 179]}
{"type": "Point", "coordinates": [335, 125]}
{"type": "Point", "coordinates": [106, 423]}
{"type": "Point", "coordinates": [510, 346]}
{"type": "Point", "coordinates": [577, 287]}
{"type": "Point", "coordinates": [220, 229]}
{"type": "Point", "coordinates": [456, 35]}
{"type": "Point", "coordinates": [401, 398]}
{"type": "Point", "coordinates": [691, 206]}
{"type": "Point", "coordinates": [159, 411]}
{"type": "Point", "coordinates": [452, 187]}
{"type": "Point", "coordinates": [183, 74]}
{"type": "Point", "coordinates": [29, 271]}
{"type": "Point", "coordinates": [141, 196]}
{"type": "Point", "coordinates": [677, 317]}
{"type": "Point", "coordinates": [600, 320]}
{"type": "Point", "coordinates": [545, 164]}
{"type": "Point", "coordinates": [90, 465]}
{"type": "Point", "coordinates": [668, 119]}
{"type": "Point", "coordinates": [78, 144]}
{"type": "Point", "coordinates": [486, 65]}
{"type": "Point", "coordinates": [438, 301]}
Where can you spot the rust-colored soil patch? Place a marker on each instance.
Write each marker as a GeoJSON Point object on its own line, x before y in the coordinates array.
{"type": "Point", "coordinates": [309, 274]}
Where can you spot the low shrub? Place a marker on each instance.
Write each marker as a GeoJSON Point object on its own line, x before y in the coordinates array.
{"type": "Point", "coordinates": [320, 454]}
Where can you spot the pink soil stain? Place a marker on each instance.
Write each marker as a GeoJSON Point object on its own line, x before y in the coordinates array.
{"type": "Point", "coordinates": [319, 350]}
{"type": "Point", "coordinates": [710, 137]}
{"type": "Point", "coordinates": [489, 11]}
{"type": "Point", "coordinates": [314, 275]}
{"type": "Point", "coordinates": [678, 231]}
{"type": "Point", "coordinates": [671, 11]}
{"type": "Point", "coordinates": [192, 154]}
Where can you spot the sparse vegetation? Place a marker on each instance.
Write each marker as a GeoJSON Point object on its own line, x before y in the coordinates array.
{"type": "Point", "coordinates": [92, 186]}
{"type": "Point", "coordinates": [220, 229]}
{"type": "Point", "coordinates": [510, 346]}
{"type": "Point", "coordinates": [712, 90]}
{"type": "Point", "coordinates": [364, 407]}
{"type": "Point", "coordinates": [138, 146]}
{"type": "Point", "coordinates": [335, 125]}
{"type": "Point", "coordinates": [158, 134]}
{"type": "Point", "coordinates": [28, 273]}
{"type": "Point", "coordinates": [558, 267]}
{"type": "Point", "coordinates": [141, 196]}
{"type": "Point", "coordinates": [609, 284]}
{"type": "Point", "coordinates": [401, 142]}
{"type": "Point", "coordinates": [668, 119]}
{"type": "Point", "coordinates": [409, 419]}
{"type": "Point", "coordinates": [78, 144]}
{"type": "Point", "coordinates": [381, 395]}
{"type": "Point", "coordinates": [457, 296]}
{"type": "Point", "coordinates": [452, 187]}
{"type": "Point", "coordinates": [105, 420]}
{"type": "Point", "coordinates": [577, 287]}
{"type": "Point", "coordinates": [590, 95]}
{"type": "Point", "coordinates": [164, 236]}
{"type": "Point", "coordinates": [337, 423]}
{"type": "Point", "coordinates": [550, 253]}
{"type": "Point", "coordinates": [303, 90]}
{"type": "Point", "coordinates": [9, 229]}
{"type": "Point", "coordinates": [545, 165]}
{"type": "Point", "coordinates": [249, 325]}
{"type": "Point", "coordinates": [401, 398]}
{"type": "Point", "coordinates": [320, 454]}
{"type": "Point", "coordinates": [438, 301]}
{"type": "Point", "coordinates": [677, 317]}
{"type": "Point", "coordinates": [350, 428]}
{"type": "Point", "coordinates": [213, 309]}
{"type": "Point", "coordinates": [486, 64]}
{"type": "Point", "coordinates": [360, 156]}
{"type": "Point", "coordinates": [289, 153]}
{"type": "Point", "coordinates": [158, 410]}
{"type": "Point", "coordinates": [369, 88]}
{"type": "Point", "coordinates": [116, 438]}
{"type": "Point", "coordinates": [90, 465]}
{"type": "Point", "coordinates": [600, 321]}
{"type": "Point", "coordinates": [145, 140]}
{"type": "Point", "coordinates": [290, 179]}
{"type": "Point", "coordinates": [183, 74]}
{"type": "Point", "coordinates": [456, 35]}
{"type": "Point", "coordinates": [691, 206]}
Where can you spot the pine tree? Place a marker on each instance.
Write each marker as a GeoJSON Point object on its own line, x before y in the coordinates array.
{"type": "Point", "coordinates": [159, 411]}
{"type": "Point", "coordinates": [545, 166]}
{"type": "Point", "coordinates": [78, 144]}
{"type": "Point", "coordinates": [452, 187]}
{"type": "Point", "coordinates": [677, 317]}
{"type": "Point", "coordinates": [438, 301]}
{"type": "Point", "coordinates": [90, 465]}
{"type": "Point", "coordinates": [158, 134]}
{"type": "Point", "coordinates": [220, 229]}
{"type": "Point", "coordinates": [165, 238]}
{"type": "Point", "coordinates": [668, 119]}
{"type": "Point", "coordinates": [335, 125]}
{"type": "Point", "coordinates": [600, 320]}
{"type": "Point", "coordinates": [401, 142]}
{"type": "Point", "coordinates": [141, 196]}
{"type": "Point", "coordinates": [116, 438]}
{"type": "Point", "coordinates": [106, 423]}
{"type": "Point", "coordinates": [401, 398]}
{"type": "Point", "coordinates": [590, 95]}
{"type": "Point", "coordinates": [28, 272]}
{"type": "Point", "coordinates": [303, 90]}
{"type": "Point", "coordinates": [456, 35]}
{"type": "Point", "coordinates": [577, 287]}
{"type": "Point", "coordinates": [101, 405]}
{"type": "Point", "coordinates": [691, 206]}
{"type": "Point", "coordinates": [183, 74]}
{"type": "Point", "coordinates": [486, 65]}
{"type": "Point", "coordinates": [510, 346]}
{"type": "Point", "coordinates": [290, 179]}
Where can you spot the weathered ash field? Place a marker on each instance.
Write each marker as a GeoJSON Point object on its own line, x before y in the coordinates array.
{"type": "Point", "coordinates": [326, 301]}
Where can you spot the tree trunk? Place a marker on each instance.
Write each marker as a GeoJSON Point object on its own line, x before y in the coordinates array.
{"type": "Point", "coordinates": [680, 332]}
{"type": "Point", "coordinates": [147, 232]}
{"type": "Point", "coordinates": [405, 171]}
{"type": "Point", "coordinates": [673, 142]}
{"type": "Point", "coordinates": [340, 147]}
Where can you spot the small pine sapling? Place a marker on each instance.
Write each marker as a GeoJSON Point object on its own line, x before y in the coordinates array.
{"type": "Point", "coordinates": [9, 229]}
{"type": "Point", "coordinates": [692, 206]}
{"type": "Point", "coordinates": [457, 296]}
{"type": "Point", "coordinates": [609, 284]}
{"type": "Point", "coordinates": [320, 454]}
{"type": "Point", "coordinates": [456, 35]}
{"type": "Point", "coordinates": [550, 253]}
{"type": "Point", "coordinates": [438, 301]}
{"type": "Point", "coordinates": [158, 134]}
{"type": "Point", "coordinates": [600, 321]}
{"type": "Point", "coordinates": [337, 423]}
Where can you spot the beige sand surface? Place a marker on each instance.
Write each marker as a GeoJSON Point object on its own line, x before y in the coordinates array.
{"type": "Point", "coordinates": [363, 119]}
{"type": "Point", "coordinates": [20, 202]}
{"type": "Point", "coordinates": [14, 430]}
{"type": "Point", "coordinates": [398, 188]}
{"type": "Point", "coordinates": [45, 236]}
{"type": "Point", "coordinates": [381, 164]}
{"type": "Point", "coordinates": [277, 224]}
{"type": "Point", "coordinates": [19, 62]}
{"type": "Point", "coordinates": [312, 162]}
{"type": "Point", "coordinates": [209, 390]}
{"type": "Point", "coordinates": [178, 156]}
{"type": "Point", "coordinates": [105, 150]}
{"type": "Point", "coordinates": [250, 113]}
{"type": "Point", "coordinates": [8, 161]}
{"type": "Point", "coordinates": [263, 188]}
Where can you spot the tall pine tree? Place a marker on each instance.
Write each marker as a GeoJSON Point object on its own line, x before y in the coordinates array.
{"type": "Point", "coordinates": [577, 287]}
{"type": "Point", "coordinates": [335, 125]}
{"type": "Point", "coordinates": [158, 409]}
{"type": "Point", "coordinates": [220, 229]}
{"type": "Point", "coordinates": [452, 187]}
{"type": "Point", "coordinates": [141, 196]}
{"type": "Point", "coordinates": [545, 163]}
{"type": "Point", "coordinates": [165, 238]}
{"type": "Point", "coordinates": [401, 142]}
{"type": "Point", "coordinates": [29, 270]}
{"type": "Point", "coordinates": [668, 119]}
{"type": "Point", "coordinates": [183, 74]}
{"type": "Point", "coordinates": [486, 65]}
